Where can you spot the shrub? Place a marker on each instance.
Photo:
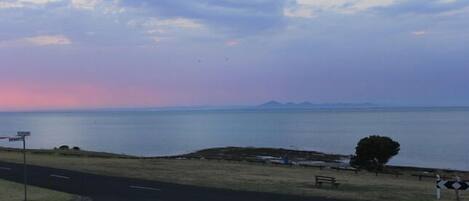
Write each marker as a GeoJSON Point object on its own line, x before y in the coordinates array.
{"type": "Point", "coordinates": [76, 148]}
{"type": "Point", "coordinates": [374, 152]}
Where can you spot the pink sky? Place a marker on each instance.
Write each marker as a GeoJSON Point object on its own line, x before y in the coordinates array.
{"type": "Point", "coordinates": [16, 96]}
{"type": "Point", "coordinates": [147, 53]}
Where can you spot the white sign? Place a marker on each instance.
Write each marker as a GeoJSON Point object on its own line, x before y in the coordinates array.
{"type": "Point", "coordinates": [14, 139]}
{"type": "Point", "coordinates": [456, 185]}
{"type": "Point", "coordinates": [23, 133]}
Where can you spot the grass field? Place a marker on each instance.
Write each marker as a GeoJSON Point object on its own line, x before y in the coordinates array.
{"type": "Point", "coordinates": [10, 191]}
{"type": "Point", "coordinates": [247, 176]}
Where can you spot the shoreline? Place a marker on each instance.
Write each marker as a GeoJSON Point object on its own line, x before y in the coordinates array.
{"type": "Point", "coordinates": [227, 168]}
{"type": "Point", "coordinates": [244, 154]}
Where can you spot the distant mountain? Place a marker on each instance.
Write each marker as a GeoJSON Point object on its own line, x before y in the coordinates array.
{"type": "Point", "coordinates": [306, 105]}
{"type": "Point", "coordinates": [271, 104]}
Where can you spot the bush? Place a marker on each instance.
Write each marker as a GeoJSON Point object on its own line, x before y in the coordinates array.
{"type": "Point", "coordinates": [373, 152]}
{"type": "Point", "coordinates": [76, 148]}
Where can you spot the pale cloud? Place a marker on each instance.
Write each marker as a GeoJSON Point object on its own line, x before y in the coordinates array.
{"type": "Point", "coordinates": [463, 10]}
{"type": "Point", "coordinates": [105, 7]}
{"type": "Point", "coordinates": [159, 39]}
{"type": "Point", "coordinates": [176, 22]}
{"type": "Point", "coordinates": [85, 4]}
{"type": "Point", "coordinates": [44, 40]}
{"type": "Point", "coordinates": [231, 43]}
{"type": "Point", "coordinates": [7, 5]}
{"type": "Point", "coordinates": [48, 40]}
{"type": "Point", "coordinates": [309, 8]}
{"type": "Point", "coordinates": [156, 39]}
{"type": "Point", "coordinates": [447, 1]}
{"type": "Point", "coordinates": [419, 33]}
{"type": "Point", "coordinates": [38, 1]}
{"type": "Point", "coordinates": [24, 3]}
{"type": "Point", "coordinates": [299, 11]}
{"type": "Point", "coordinates": [157, 29]}
{"type": "Point", "coordinates": [156, 25]}
{"type": "Point", "coordinates": [108, 6]}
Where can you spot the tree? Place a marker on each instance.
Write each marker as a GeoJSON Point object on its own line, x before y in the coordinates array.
{"type": "Point", "coordinates": [374, 152]}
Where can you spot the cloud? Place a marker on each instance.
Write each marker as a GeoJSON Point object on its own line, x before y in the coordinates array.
{"type": "Point", "coordinates": [309, 8]}
{"type": "Point", "coordinates": [234, 17]}
{"type": "Point", "coordinates": [447, 1]}
{"type": "Point", "coordinates": [8, 4]}
{"type": "Point", "coordinates": [299, 11]}
{"type": "Point", "coordinates": [85, 4]}
{"type": "Point", "coordinates": [460, 11]}
{"type": "Point", "coordinates": [419, 33]}
{"type": "Point", "coordinates": [174, 22]}
{"type": "Point", "coordinates": [425, 7]}
{"type": "Point", "coordinates": [105, 7]}
{"type": "Point", "coordinates": [48, 40]}
{"type": "Point", "coordinates": [232, 42]}
{"type": "Point", "coordinates": [37, 1]}
{"type": "Point", "coordinates": [44, 40]}
{"type": "Point", "coordinates": [158, 29]}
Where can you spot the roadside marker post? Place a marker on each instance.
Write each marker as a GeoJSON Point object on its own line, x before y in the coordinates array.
{"type": "Point", "coordinates": [21, 136]}
{"type": "Point", "coordinates": [457, 185]}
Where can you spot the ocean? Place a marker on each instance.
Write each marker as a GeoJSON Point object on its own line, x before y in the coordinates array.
{"type": "Point", "coordinates": [429, 137]}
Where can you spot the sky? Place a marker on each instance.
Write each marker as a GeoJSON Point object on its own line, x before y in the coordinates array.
{"type": "Point", "coordinates": [58, 54]}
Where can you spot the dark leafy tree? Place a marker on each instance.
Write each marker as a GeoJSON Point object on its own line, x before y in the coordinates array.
{"type": "Point", "coordinates": [374, 152]}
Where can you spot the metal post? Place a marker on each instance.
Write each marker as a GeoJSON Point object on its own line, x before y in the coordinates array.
{"type": "Point", "coordinates": [24, 169]}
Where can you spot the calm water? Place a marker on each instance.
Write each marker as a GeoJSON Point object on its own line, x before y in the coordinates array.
{"type": "Point", "coordinates": [428, 137]}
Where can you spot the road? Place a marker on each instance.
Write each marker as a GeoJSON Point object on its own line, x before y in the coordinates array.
{"type": "Point", "coordinates": [107, 188]}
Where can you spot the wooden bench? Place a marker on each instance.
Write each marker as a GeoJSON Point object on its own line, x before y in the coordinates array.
{"type": "Point", "coordinates": [324, 179]}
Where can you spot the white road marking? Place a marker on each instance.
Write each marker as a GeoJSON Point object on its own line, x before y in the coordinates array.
{"type": "Point", "coordinates": [59, 176]}
{"type": "Point", "coordinates": [145, 188]}
{"type": "Point", "coordinates": [5, 168]}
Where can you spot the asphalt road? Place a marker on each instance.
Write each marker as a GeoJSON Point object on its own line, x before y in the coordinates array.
{"type": "Point", "coordinates": [106, 188]}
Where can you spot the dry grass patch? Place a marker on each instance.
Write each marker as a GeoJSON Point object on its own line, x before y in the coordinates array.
{"type": "Point", "coordinates": [10, 191]}
{"type": "Point", "coordinates": [248, 176]}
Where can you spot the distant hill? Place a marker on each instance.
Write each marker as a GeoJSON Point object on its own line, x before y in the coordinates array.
{"type": "Point", "coordinates": [307, 105]}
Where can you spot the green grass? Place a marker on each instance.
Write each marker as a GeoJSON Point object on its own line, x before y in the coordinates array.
{"type": "Point", "coordinates": [10, 191]}
{"type": "Point", "coordinates": [247, 176]}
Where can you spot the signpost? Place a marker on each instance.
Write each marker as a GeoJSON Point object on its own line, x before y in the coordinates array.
{"type": "Point", "coordinates": [457, 185]}
{"type": "Point", "coordinates": [23, 133]}
{"type": "Point", "coordinates": [15, 139]}
{"type": "Point", "coordinates": [21, 136]}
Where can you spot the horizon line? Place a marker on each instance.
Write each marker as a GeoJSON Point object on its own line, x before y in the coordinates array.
{"type": "Point", "coordinates": [220, 107]}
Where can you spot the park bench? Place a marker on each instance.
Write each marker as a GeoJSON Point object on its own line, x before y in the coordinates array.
{"type": "Point", "coordinates": [324, 179]}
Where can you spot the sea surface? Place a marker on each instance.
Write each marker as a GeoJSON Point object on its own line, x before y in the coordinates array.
{"type": "Point", "coordinates": [429, 137]}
